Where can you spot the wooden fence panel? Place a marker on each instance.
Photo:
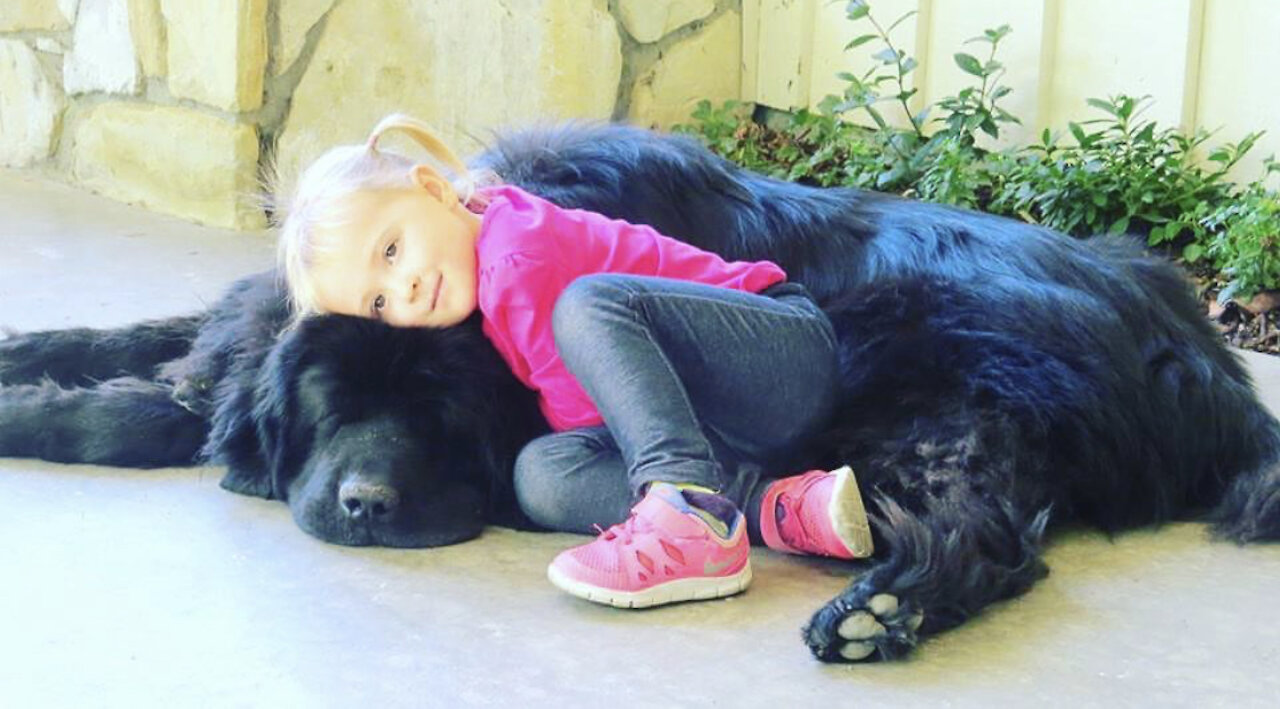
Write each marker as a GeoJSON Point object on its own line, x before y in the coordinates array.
{"type": "Point", "coordinates": [1239, 83]}
{"type": "Point", "coordinates": [1205, 63]}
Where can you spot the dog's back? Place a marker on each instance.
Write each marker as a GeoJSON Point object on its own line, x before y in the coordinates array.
{"type": "Point", "coordinates": [1174, 419]}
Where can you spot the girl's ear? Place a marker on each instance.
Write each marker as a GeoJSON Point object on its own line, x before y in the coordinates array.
{"type": "Point", "coordinates": [429, 179]}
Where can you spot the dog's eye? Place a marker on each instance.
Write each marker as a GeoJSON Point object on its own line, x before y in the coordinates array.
{"type": "Point", "coordinates": [379, 302]}
{"type": "Point", "coordinates": [392, 250]}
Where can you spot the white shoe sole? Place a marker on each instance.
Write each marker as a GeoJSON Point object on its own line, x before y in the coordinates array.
{"type": "Point", "coordinates": [691, 589]}
{"type": "Point", "coordinates": [848, 515]}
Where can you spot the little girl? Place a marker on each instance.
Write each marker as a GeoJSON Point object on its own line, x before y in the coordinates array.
{"type": "Point", "coordinates": [669, 375]}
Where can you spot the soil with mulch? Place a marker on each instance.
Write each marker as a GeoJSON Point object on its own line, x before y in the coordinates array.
{"type": "Point", "coordinates": [1252, 324]}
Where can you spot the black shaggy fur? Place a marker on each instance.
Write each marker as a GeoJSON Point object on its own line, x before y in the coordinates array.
{"type": "Point", "coordinates": [998, 379]}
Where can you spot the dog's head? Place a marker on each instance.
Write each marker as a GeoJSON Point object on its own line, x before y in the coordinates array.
{"type": "Point", "coordinates": [384, 436]}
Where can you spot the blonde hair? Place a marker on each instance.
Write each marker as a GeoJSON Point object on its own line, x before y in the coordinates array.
{"type": "Point", "coordinates": [320, 199]}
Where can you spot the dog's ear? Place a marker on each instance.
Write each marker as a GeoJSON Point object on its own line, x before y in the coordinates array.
{"type": "Point", "coordinates": [247, 481]}
{"type": "Point", "coordinates": [284, 438]}
{"type": "Point", "coordinates": [233, 437]}
{"type": "Point", "coordinates": [495, 413]}
{"type": "Point", "coordinates": [516, 421]}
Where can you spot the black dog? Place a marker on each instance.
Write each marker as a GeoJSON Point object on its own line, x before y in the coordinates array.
{"type": "Point", "coordinates": [997, 378]}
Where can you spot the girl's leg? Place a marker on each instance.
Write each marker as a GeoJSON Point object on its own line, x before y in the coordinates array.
{"type": "Point", "coordinates": [576, 480]}
{"type": "Point", "coordinates": [672, 364]}
{"type": "Point", "coordinates": [678, 370]}
{"type": "Point", "coordinates": [573, 481]}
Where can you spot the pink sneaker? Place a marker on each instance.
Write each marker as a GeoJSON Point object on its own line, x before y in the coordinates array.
{"type": "Point", "coordinates": [822, 514]}
{"type": "Point", "coordinates": [665, 552]}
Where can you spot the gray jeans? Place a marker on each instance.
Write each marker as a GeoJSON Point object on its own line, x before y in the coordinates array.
{"type": "Point", "coordinates": [695, 383]}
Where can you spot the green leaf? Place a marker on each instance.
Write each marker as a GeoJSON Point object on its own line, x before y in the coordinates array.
{"type": "Point", "coordinates": [1246, 144]}
{"type": "Point", "coordinates": [1103, 106]}
{"type": "Point", "coordinates": [888, 55]}
{"type": "Point", "coordinates": [859, 41]}
{"type": "Point", "coordinates": [1125, 106]}
{"type": "Point", "coordinates": [1192, 253]}
{"type": "Point", "coordinates": [1007, 117]}
{"type": "Point", "coordinates": [1229, 292]}
{"type": "Point", "coordinates": [989, 127]}
{"type": "Point", "coordinates": [857, 9]}
{"type": "Point", "coordinates": [1079, 134]}
{"type": "Point", "coordinates": [998, 33]}
{"type": "Point", "coordinates": [969, 64]}
{"type": "Point", "coordinates": [828, 105]}
{"type": "Point", "coordinates": [875, 116]}
{"type": "Point", "coordinates": [900, 20]}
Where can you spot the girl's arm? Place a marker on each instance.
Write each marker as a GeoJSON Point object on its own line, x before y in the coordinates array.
{"type": "Point", "coordinates": [517, 297]}
{"type": "Point", "coordinates": [582, 242]}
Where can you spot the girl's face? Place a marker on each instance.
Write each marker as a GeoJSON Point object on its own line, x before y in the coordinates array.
{"type": "Point", "coordinates": [407, 256]}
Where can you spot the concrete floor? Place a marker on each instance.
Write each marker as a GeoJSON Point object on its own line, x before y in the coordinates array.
{"type": "Point", "coordinates": [124, 587]}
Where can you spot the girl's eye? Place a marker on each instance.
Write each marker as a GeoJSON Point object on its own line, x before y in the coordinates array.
{"type": "Point", "coordinates": [379, 302]}
{"type": "Point", "coordinates": [391, 251]}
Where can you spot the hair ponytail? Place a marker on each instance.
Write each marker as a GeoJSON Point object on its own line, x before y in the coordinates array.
{"type": "Point", "coordinates": [422, 134]}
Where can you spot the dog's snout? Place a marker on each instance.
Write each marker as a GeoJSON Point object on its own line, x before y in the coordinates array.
{"type": "Point", "coordinates": [368, 501]}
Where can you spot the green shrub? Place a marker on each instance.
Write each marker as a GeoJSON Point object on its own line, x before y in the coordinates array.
{"type": "Point", "coordinates": [1244, 240]}
{"type": "Point", "coordinates": [1122, 174]}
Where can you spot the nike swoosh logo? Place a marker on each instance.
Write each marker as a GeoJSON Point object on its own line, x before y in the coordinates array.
{"type": "Point", "coordinates": [710, 569]}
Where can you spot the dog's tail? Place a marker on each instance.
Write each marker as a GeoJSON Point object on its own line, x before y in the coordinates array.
{"type": "Point", "coordinates": [1249, 510]}
{"type": "Point", "coordinates": [1193, 439]}
{"type": "Point", "coordinates": [1212, 418]}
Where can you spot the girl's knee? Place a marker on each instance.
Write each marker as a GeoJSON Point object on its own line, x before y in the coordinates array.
{"type": "Point", "coordinates": [535, 484]}
{"type": "Point", "coordinates": [542, 485]}
{"type": "Point", "coordinates": [586, 302]}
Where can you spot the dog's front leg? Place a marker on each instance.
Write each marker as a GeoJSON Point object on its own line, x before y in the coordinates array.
{"type": "Point", "coordinates": [122, 422]}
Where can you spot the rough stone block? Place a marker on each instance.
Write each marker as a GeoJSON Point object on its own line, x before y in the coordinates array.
{"type": "Point", "coordinates": [43, 15]}
{"type": "Point", "coordinates": [707, 65]}
{"type": "Point", "coordinates": [146, 24]}
{"type": "Point", "coordinates": [170, 159]}
{"type": "Point", "coordinates": [651, 20]}
{"type": "Point", "coordinates": [217, 50]}
{"type": "Point", "coordinates": [50, 45]}
{"type": "Point", "coordinates": [31, 106]}
{"type": "Point", "coordinates": [102, 56]}
{"type": "Point", "coordinates": [465, 67]}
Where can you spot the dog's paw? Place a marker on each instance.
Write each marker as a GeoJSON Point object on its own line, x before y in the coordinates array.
{"type": "Point", "coordinates": [192, 394]}
{"type": "Point", "coordinates": [879, 628]}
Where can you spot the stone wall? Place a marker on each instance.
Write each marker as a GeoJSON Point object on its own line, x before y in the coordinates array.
{"type": "Point", "coordinates": [179, 104]}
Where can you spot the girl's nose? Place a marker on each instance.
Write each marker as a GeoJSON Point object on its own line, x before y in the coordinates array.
{"type": "Point", "coordinates": [412, 286]}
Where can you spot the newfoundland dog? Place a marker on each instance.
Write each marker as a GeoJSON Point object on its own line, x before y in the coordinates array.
{"type": "Point", "coordinates": [998, 379]}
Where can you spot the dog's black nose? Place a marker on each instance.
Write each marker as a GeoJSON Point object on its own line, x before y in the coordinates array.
{"type": "Point", "coordinates": [365, 500]}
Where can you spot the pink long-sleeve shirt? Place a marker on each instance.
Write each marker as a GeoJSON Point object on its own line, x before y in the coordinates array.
{"type": "Point", "coordinates": [529, 250]}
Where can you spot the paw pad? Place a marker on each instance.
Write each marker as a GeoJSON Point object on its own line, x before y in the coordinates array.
{"type": "Point", "coordinates": [862, 628]}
